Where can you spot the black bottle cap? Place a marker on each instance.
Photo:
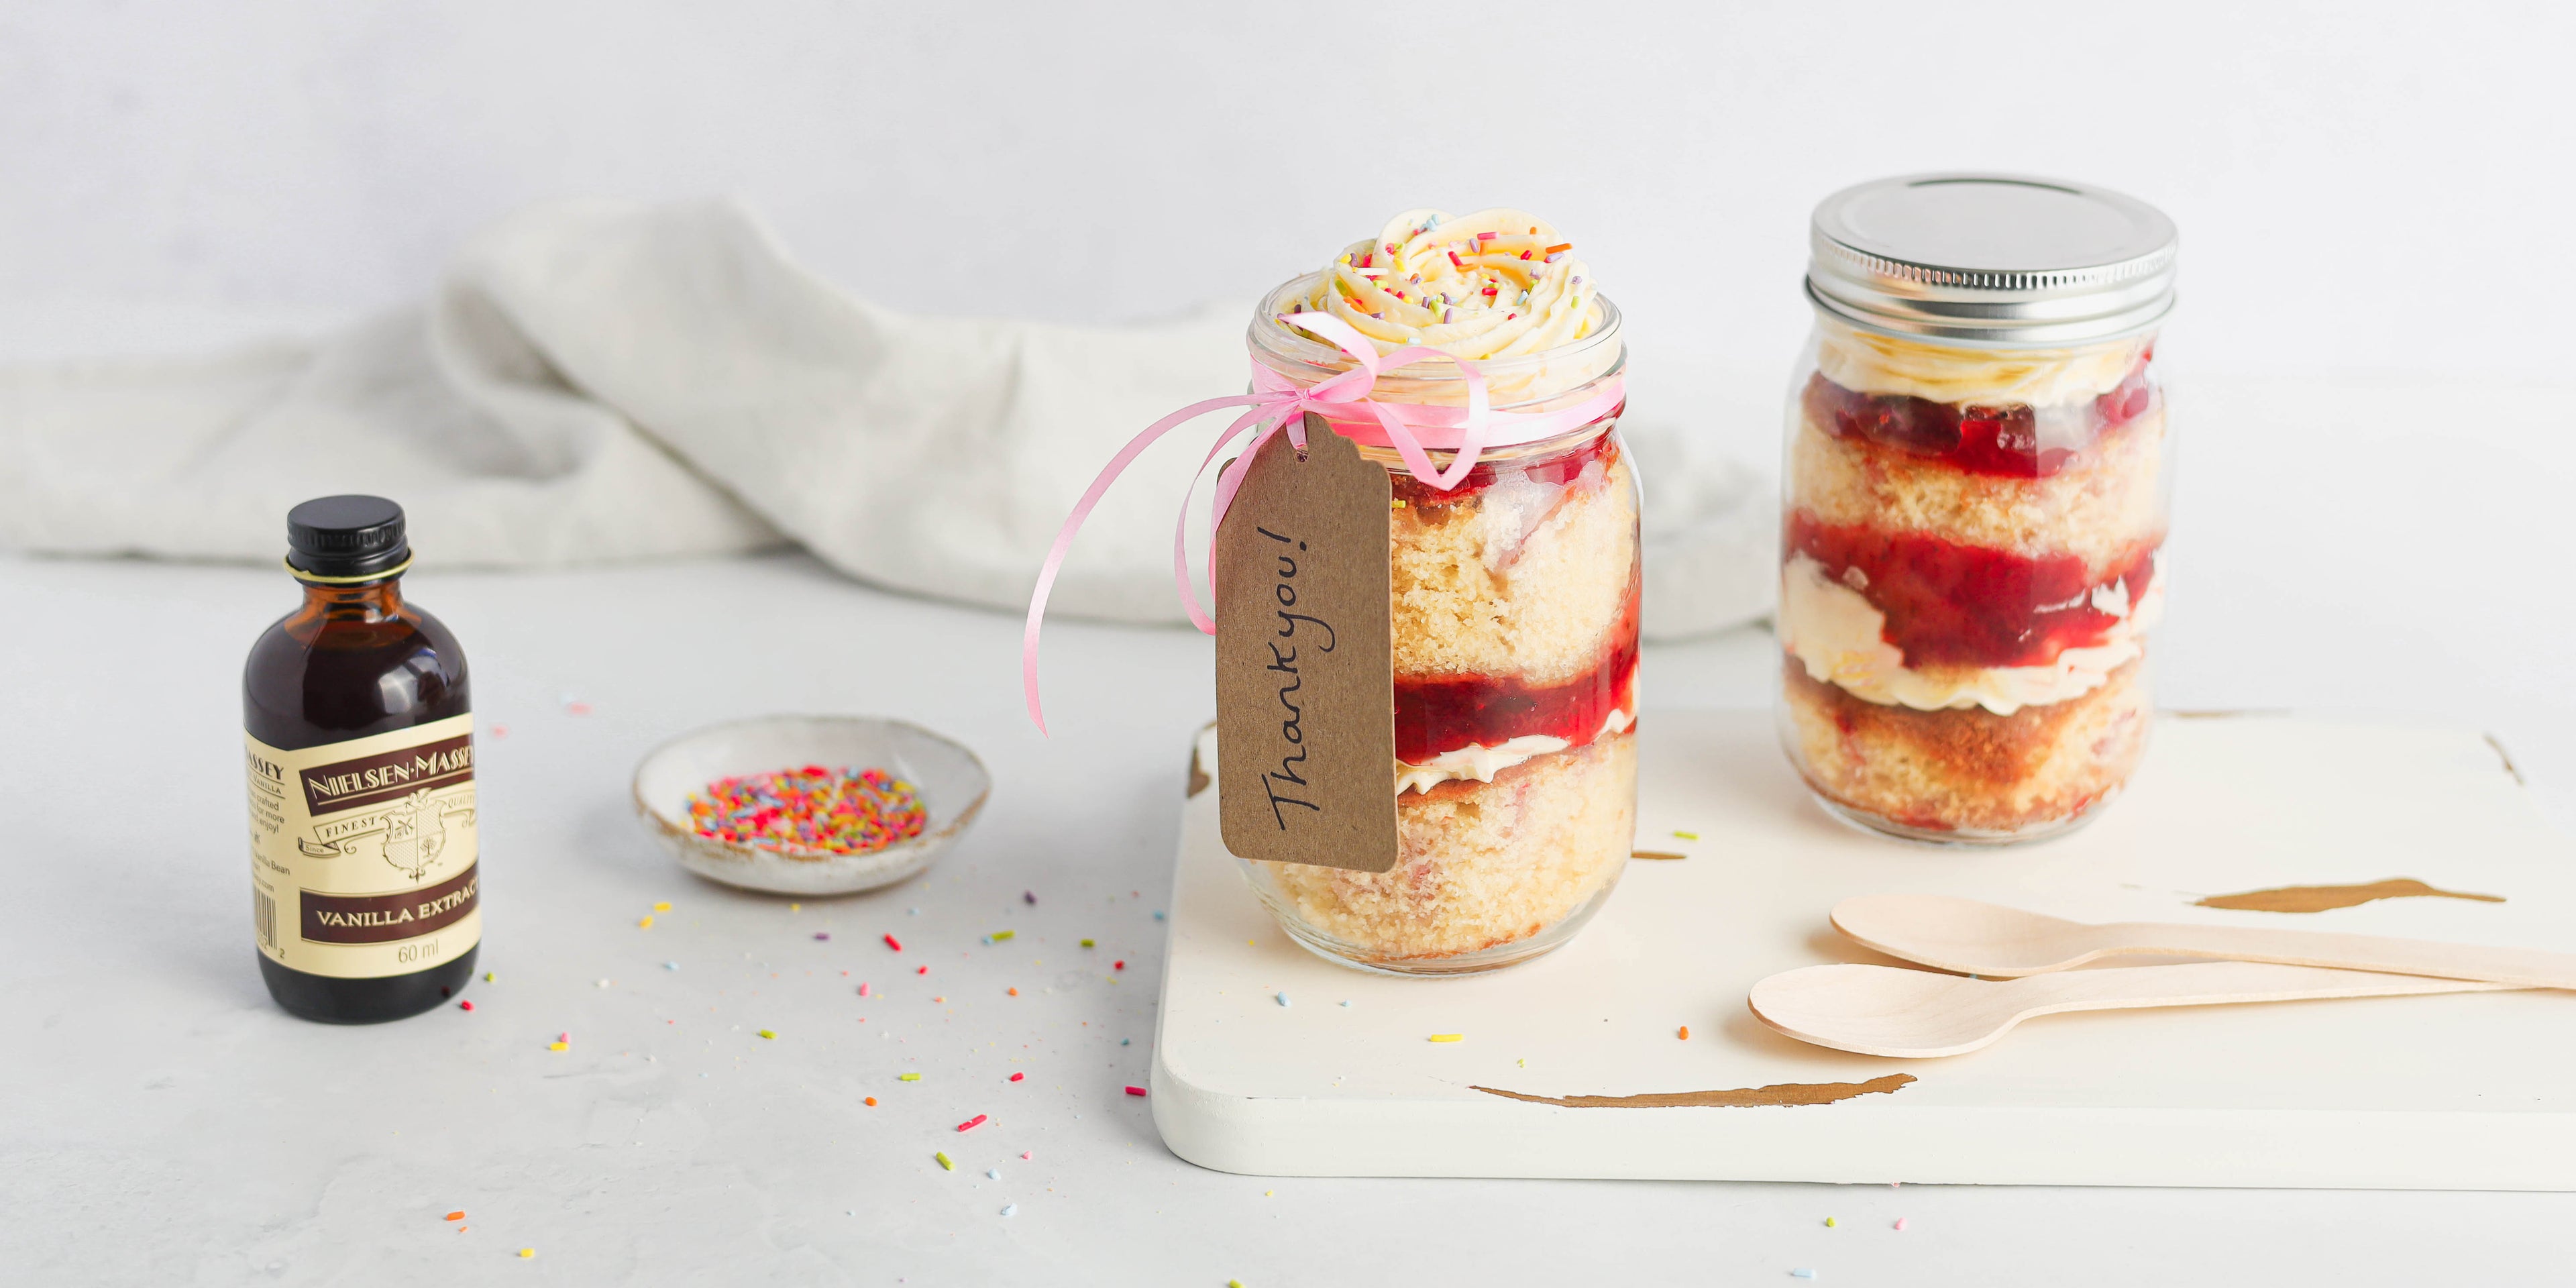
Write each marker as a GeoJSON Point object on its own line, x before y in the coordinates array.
{"type": "Point", "coordinates": [353, 537]}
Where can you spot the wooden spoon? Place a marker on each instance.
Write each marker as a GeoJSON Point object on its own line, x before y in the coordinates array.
{"type": "Point", "coordinates": [1988, 939]}
{"type": "Point", "coordinates": [1919, 1014]}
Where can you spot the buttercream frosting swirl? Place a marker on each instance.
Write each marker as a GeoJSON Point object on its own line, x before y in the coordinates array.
{"type": "Point", "coordinates": [1498, 283]}
{"type": "Point", "coordinates": [1869, 362]}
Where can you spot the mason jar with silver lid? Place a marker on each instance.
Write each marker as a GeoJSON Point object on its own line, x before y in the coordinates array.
{"type": "Point", "coordinates": [1976, 488]}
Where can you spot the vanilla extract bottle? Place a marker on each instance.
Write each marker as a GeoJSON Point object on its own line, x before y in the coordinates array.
{"type": "Point", "coordinates": [359, 745]}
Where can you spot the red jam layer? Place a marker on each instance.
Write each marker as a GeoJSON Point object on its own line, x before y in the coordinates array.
{"type": "Point", "coordinates": [2010, 441]}
{"type": "Point", "coordinates": [1949, 604]}
{"type": "Point", "coordinates": [1441, 714]}
{"type": "Point", "coordinates": [1556, 470]}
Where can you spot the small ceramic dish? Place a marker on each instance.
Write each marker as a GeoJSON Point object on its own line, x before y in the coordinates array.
{"type": "Point", "coordinates": [952, 782]}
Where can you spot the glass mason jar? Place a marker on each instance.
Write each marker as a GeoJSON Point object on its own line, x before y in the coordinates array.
{"type": "Point", "coordinates": [1976, 490]}
{"type": "Point", "coordinates": [1515, 598]}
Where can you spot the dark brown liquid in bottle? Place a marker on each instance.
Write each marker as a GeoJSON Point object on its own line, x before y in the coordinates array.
{"type": "Point", "coordinates": [353, 662]}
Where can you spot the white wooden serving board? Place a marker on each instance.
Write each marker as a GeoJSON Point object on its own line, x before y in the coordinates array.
{"type": "Point", "coordinates": [2469, 1091]}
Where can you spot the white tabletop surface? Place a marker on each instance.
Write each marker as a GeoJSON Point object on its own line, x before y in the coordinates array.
{"type": "Point", "coordinates": [2347, 547]}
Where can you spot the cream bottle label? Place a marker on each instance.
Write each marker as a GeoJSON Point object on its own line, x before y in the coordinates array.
{"type": "Point", "coordinates": [362, 853]}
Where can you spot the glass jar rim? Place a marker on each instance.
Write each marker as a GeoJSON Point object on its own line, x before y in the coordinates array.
{"type": "Point", "coordinates": [1291, 354]}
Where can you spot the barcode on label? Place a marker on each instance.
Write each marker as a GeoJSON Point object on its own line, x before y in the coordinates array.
{"type": "Point", "coordinates": [264, 913]}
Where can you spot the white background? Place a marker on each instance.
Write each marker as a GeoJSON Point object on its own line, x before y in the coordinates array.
{"type": "Point", "coordinates": [2366, 188]}
{"type": "Point", "coordinates": [2369, 371]}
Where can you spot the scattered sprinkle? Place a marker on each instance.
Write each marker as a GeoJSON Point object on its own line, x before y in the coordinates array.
{"type": "Point", "coordinates": [599, 983]}
{"type": "Point", "coordinates": [1118, 965]}
{"type": "Point", "coordinates": [1448, 1037]}
{"type": "Point", "coordinates": [1346, 1001]}
{"type": "Point", "coordinates": [1088, 944]}
{"type": "Point", "coordinates": [1026, 1155]}
{"type": "Point", "coordinates": [946, 1164]}
{"type": "Point", "coordinates": [663, 906]}
{"type": "Point", "coordinates": [525, 1253]}
{"type": "Point", "coordinates": [1802, 1273]}
{"type": "Point", "coordinates": [645, 922]}
{"type": "Point", "coordinates": [769, 1033]}
{"type": "Point", "coordinates": [907, 1077]}
{"type": "Point", "coordinates": [1158, 914]}
{"type": "Point", "coordinates": [1001, 935]}
{"type": "Point", "coordinates": [922, 971]}
{"type": "Point", "coordinates": [1283, 998]}
{"type": "Point", "coordinates": [559, 1046]}
{"type": "Point", "coordinates": [1685, 1033]}
{"type": "Point", "coordinates": [1900, 1223]}
{"type": "Point", "coordinates": [1125, 1041]}
{"type": "Point", "coordinates": [1010, 1209]}
{"type": "Point", "coordinates": [465, 1005]}
{"type": "Point", "coordinates": [894, 943]}
{"type": "Point", "coordinates": [456, 1216]}
{"type": "Point", "coordinates": [670, 965]}
{"type": "Point", "coordinates": [1015, 992]}
{"type": "Point", "coordinates": [1017, 1076]}
{"type": "Point", "coordinates": [992, 1173]}
{"type": "Point", "coordinates": [1829, 1221]}
{"type": "Point", "coordinates": [822, 934]}
{"type": "Point", "coordinates": [1687, 836]}
{"type": "Point", "coordinates": [796, 907]}
{"type": "Point", "coordinates": [1135, 1091]}
{"type": "Point", "coordinates": [1028, 896]}
{"type": "Point", "coordinates": [863, 991]}
{"type": "Point", "coordinates": [871, 1102]}
{"type": "Point", "coordinates": [809, 810]}
{"type": "Point", "coordinates": [971, 1123]}
{"type": "Point", "coordinates": [500, 731]}
{"type": "Point", "coordinates": [491, 978]}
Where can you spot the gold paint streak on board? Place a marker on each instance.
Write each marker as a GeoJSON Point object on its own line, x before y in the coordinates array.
{"type": "Point", "coordinates": [2507, 758]}
{"type": "Point", "coordinates": [1656, 854]}
{"type": "Point", "coordinates": [2322, 898]}
{"type": "Point", "coordinates": [1778, 1093]}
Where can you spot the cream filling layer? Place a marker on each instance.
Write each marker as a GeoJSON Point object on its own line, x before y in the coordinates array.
{"type": "Point", "coordinates": [1482, 763]}
{"type": "Point", "coordinates": [1839, 637]}
{"type": "Point", "coordinates": [1870, 363]}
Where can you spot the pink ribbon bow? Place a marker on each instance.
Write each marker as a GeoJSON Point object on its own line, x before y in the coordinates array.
{"type": "Point", "coordinates": [1277, 403]}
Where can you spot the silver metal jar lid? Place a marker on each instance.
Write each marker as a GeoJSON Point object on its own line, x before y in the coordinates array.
{"type": "Point", "coordinates": [1992, 259]}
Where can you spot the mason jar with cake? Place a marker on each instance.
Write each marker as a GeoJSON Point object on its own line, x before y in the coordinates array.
{"type": "Point", "coordinates": [1513, 594]}
{"type": "Point", "coordinates": [1976, 487]}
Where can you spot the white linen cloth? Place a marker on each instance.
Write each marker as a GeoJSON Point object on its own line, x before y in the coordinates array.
{"type": "Point", "coordinates": [596, 382]}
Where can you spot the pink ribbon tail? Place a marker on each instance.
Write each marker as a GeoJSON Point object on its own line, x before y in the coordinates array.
{"type": "Point", "coordinates": [1082, 510]}
{"type": "Point", "coordinates": [1278, 403]}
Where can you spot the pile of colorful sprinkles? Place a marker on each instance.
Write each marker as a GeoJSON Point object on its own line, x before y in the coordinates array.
{"type": "Point", "coordinates": [813, 810]}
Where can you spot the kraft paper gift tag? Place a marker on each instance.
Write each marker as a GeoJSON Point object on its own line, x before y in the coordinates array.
{"type": "Point", "coordinates": [1305, 706]}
